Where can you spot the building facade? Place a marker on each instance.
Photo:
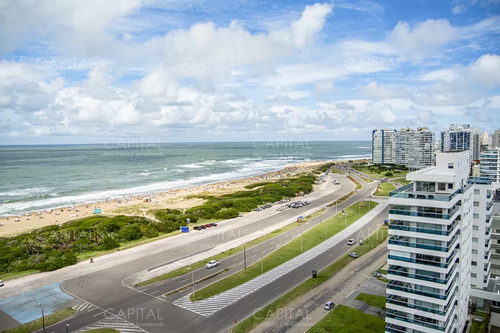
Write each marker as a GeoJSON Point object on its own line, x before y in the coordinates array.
{"type": "Point", "coordinates": [495, 142]}
{"type": "Point", "coordinates": [462, 137]}
{"type": "Point", "coordinates": [495, 247]}
{"type": "Point", "coordinates": [489, 164]}
{"type": "Point", "coordinates": [411, 148]}
{"type": "Point", "coordinates": [430, 243]}
{"type": "Point", "coordinates": [383, 146]}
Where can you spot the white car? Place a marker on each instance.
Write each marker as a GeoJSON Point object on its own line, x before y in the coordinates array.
{"type": "Point", "coordinates": [351, 241]}
{"type": "Point", "coordinates": [1, 283]}
{"type": "Point", "coordinates": [353, 254]}
{"type": "Point", "coordinates": [212, 264]}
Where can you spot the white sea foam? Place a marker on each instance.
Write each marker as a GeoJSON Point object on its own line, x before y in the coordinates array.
{"type": "Point", "coordinates": [29, 192]}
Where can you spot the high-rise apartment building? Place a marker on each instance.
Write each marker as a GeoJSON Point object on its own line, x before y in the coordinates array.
{"type": "Point", "coordinates": [462, 137]}
{"type": "Point", "coordinates": [489, 164]}
{"type": "Point", "coordinates": [411, 148]}
{"type": "Point", "coordinates": [496, 139]}
{"type": "Point", "coordinates": [434, 237]}
{"type": "Point", "coordinates": [383, 146]}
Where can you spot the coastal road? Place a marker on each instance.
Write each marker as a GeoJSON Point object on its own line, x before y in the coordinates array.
{"type": "Point", "coordinates": [103, 291]}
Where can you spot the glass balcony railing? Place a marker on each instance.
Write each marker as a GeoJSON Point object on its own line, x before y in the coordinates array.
{"type": "Point", "coordinates": [419, 246]}
{"type": "Point", "coordinates": [392, 300]}
{"type": "Point", "coordinates": [419, 261]}
{"type": "Point", "coordinates": [417, 322]}
{"type": "Point", "coordinates": [450, 230]}
{"type": "Point", "coordinates": [397, 286]}
{"type": "Point", "coordinates": [424, 214]}
{"type": "Point", "coordinates": [408, 193]}
{"type": "Point", "coordinates": [391, 328]}
{"type": "Point", "coordinates": [417, 276]}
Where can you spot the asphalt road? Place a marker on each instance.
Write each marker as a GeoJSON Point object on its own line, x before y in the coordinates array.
{"type": "Point", "coordinates": [146, 308]}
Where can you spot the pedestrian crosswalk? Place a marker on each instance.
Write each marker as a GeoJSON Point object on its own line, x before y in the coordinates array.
{"type": "Point", "coordinates": [213, 304]}
{"type": "Point", "coordinates": [84, 307]}
{"type": "Point", "coordinates": [116, 323]}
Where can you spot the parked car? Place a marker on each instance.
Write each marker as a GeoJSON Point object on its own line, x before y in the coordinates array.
{"type": "Point", "coordinates": [377, 274]}
{"type": "Point", "coordinates": [212, 264]}
{"type": "Point", "coordinates": [351, 241]}
{"type": "Point", "coordinates": [202, 227]}
{"type": "Point", "coordinates": [213, 224]}
{"type": "Point", "coordinates": [329, 305]}
{"type": "Point", "coordinates": [353, 254]}
{"type": "Point", "coordinates": [196, 228]}
{"type": "Point", "coordinates": [1, 283]}
{"type": "Point", "coordinates": [208, 225]}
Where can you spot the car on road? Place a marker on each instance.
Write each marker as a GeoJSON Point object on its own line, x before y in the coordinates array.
{"type": "Point", "coordinates": [1, 283]}
{"type": "Point", "coordinates": [329, 305]}
{"type": "Point", "coordinates": [202, 227]}
{"type": "Point", "coordinates": [336, 182]}
{"type": "Point", "coordinates": [353, 254]}
{"type": "Point", "coordinates": [377, 275]}
{"type": "Point", "coordinates": [213, 224]}
{"type": "Point", "coordinates": [197, 228]}
{"type": "Point", "coordinates": [351, 241]}
{"type": "Point", "coordinates": [212, 264]}
{"type": "Point", "coordinates": [208, 225]}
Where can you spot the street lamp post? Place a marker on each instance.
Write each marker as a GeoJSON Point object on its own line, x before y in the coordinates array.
{"type": "Point", "coordinates": [245, 255]}
{"type": "Point", "coordinates": [67, 328]}
{"type": "Point", "coordinates": [43, 316]}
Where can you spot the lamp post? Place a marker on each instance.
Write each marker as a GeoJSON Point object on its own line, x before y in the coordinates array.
{"type": "Point", "coordinates": [43, 316]}
{"type": "Point", "coordinates": [245, 256]}
{"type": "Point", "coordinates": [67, 328]}
{"type": "Point", "coordinates": [192, 275]}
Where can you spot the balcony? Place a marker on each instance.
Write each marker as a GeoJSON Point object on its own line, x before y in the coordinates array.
{"type": "Point", "coordinates": [419, 246]}
{"type": "Point", "coordinates": [424, 214]}
{"type": "Point", "coordinates": [407, 192]}
{"type": "Point", "coordinates": [414, 321]}
{"type": "Point", "coordinates": [403, 273]}
{"type": "Point", "coordinates": [424, 230]}
{"type": "Point", "coordinates": [391, 328]}
{"type": "Point", "coordinates": [396, 300]}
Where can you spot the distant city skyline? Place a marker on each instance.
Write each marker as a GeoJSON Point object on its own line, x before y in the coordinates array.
{"type": "Point", "coordinates": [198, 71]}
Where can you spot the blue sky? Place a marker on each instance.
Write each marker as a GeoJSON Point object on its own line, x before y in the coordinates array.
{"type": "Point", "coordinates": [94, 71]}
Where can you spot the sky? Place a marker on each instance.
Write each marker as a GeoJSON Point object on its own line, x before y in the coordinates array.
{"type": "Point", "coordinates": [193, 70]}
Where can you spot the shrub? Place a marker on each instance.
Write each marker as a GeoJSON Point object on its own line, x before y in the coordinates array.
{"type": "Point", "coordinates": [388, 174]}
{"type": "Point", "coordinates": [130, 233]}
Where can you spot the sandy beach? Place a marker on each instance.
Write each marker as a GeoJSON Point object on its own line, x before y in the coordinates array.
{"type": "Point", "coordinates": [140, 204]}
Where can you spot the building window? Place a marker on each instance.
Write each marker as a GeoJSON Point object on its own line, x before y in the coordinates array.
{"type": "Point", "coordinates": [474, 263]}
{"type": "Point", "coordinates": [474, 251]}
{"type": "Point", "coordinates": [476, 203]}
{"type": "Point", "coordinates": [450, 165]}
{"type": "Point", "coordinates": [476, 191]}
{"type": "Point", "coordinates": [450, 186]}
{"type": "Point", "coordinates": [474, 239]}
{"type": "Point", "coordinates": [475, 215]}
{"type": "Point", "coordinates": [473, 275]}
{"type": "Point", "coordinates": [441, 186]}
{"type": "Point", "coordinates": [475, 227]}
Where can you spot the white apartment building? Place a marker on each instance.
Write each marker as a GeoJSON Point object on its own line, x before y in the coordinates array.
{"type": "Point", "coordinates": [481, 232]}
{"type": "Point", "coordinates": [383, 146]}
{"type": "Point", "coordinates": [430, 243]}
{"type": "Point", "coordinates": [415, 148]}
{"type": "Point", "coordinates": [411, 148]}
{"type": "Point", "coordinates": [462, 137]}
{"type": "Point", "coordinates": [489, 166]}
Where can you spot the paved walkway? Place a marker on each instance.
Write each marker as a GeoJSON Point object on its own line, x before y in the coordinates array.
{"type": "Point", "coordinates": [212, 304]}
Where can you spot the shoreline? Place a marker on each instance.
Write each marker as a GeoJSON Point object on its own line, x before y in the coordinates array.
{"type": "Point", "coordinates": [139, 204]}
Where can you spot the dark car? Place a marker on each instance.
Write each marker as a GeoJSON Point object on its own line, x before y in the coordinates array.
{"type": "Point", "coordinates": [202, 227]}
{"type": "Point", "coordinates": [196, 228]}
{"type": "Point", "coordinates": [213, 224]}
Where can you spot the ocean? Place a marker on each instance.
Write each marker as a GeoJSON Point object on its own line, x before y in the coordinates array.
{"type": "Point", "coordinates": [42, 177]}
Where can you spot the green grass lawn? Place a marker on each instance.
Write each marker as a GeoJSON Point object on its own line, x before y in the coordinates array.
{"type": "Point", "coordinates": [17, 275]}
{"type": "Point", "coordinates": [37, 324]}
{"type": "Point", "coordinates": [358, 185]}
{"type": "Point", "coordinates": [230, 252]}
{"type": "Point", "coordinates": [335, 170]}
{"type": "Point", "coordinates": [375, 172]}
{"type": "Point", "coordinates": [402, 181]}
{"type": "Point", "coordinates": [344, 319]}
{"type": "Point", "coordinates": [372, 300]}
{"type": "Point", "coordinates": [384, 189]}
{"type": "Point", "coordinates": [251, 322]}
{"type": "Point", "coordinates": [310, 239]}
{"type": "Point", "coordinates": [368, 180]}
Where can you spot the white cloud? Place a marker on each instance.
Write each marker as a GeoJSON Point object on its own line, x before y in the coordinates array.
{"type": "Point", "coordinates": [486, 70]}
{"type": "Point", "coordinates": [310, 23]}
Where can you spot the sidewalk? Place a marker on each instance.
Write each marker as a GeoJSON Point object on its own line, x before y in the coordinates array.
{"type": "Point", "coordinates": [304, 312]}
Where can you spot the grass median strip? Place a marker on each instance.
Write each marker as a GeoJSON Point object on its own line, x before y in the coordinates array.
{"type": "Point", "coordinates": [310, 239]}
{"type": "Point", "coordinates": [268, 311]}
{"type": "Point", "coordinates": [344, 319]}
{"type": "Point", "coordinates": [37, 324]}
{"type": "Point", "coordinates": [384, 189]}
{"type": "Point", "coordinates": [230, 252]}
